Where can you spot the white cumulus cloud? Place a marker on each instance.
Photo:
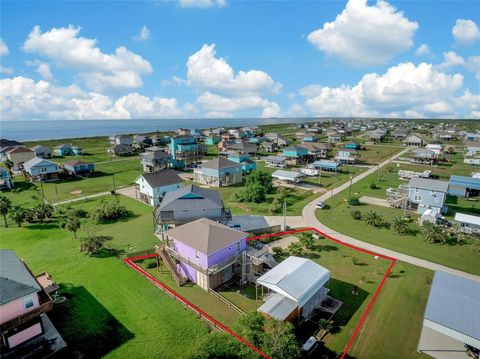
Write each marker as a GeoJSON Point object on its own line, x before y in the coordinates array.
{"type": "Point", "coordinates": [118, 71]}
{"type": "Point", "coordinates": [202, 4]}
{"type": "Point", "coordinates": [365, 35]}
{"type": "Point", "coordinates": [402, 91]}
{"type": "Point", "coordinates": [465, 32]}
{"type": "Point", "coordinates": [451, 59]}
{"type": "Point", "coordinates": [143, 35]}
{"type": "Point", "coordinates": [423, 50]}
{"type": "Point", "coordinates": [3, 48]}
{"type": "Point", "coordinates": [23, 98]}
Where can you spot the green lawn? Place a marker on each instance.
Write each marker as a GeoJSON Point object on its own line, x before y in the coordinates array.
{"type": "Point", "coordinates": [405, 291]}
{"type": "Point", "coordinates": [339, 218]}
{"type": "Point", "coordinates": [111, 311]}
{"type": "Point", "coordinates": [102, 180]}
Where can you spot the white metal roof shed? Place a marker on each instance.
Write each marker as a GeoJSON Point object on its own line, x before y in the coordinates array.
{"type": "Point", "coordinates": [467, 218]}
{"type": "Point", "coordinates": [278, 307]}
{"type": "Point", "coordinates": [296, 278]}
{"type": "Point", "coordinates": [287, 175]}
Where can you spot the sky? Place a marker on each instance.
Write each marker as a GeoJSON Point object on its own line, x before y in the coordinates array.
{"type": "Point", "coordinates": [68, 60]}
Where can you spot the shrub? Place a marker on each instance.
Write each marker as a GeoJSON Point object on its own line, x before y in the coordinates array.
{"type": "Point", "coordinates": [278, 251]}
{"type": "Point", "coordinates": [109, 212]}
{"type": "Point", "coordinates": [77, 212]}
{"type": "Point", "coordinates": [356, 214]}
{"type": "Point", "coordinates": [354, 201]}
{"type": "Point", "coordinates": [373, 185]}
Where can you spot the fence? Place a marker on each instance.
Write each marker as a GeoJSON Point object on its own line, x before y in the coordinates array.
{"type": "Point", "coordinates": [226, 301]}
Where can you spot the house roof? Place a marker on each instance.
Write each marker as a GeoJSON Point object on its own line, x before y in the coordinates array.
{"type": "Point", "coordinates": [473, 144]}
{"type": "Point", "coordinates": [161, 178]}
{"type": "Point", "coordinates": [63, 146]}
{"type": "Point", "coordinates": [470, 182]}
{"type": "Point", "coordinates": [74, 163]}
{"type": "Point", "coordinates": [38, 147]}
{"type": "Point", "coordinates": [296, 278]}
{"type": "Point", "coordinates": [453, 307]}
{"type": "Point", "coordinates": [19, 149]}
{"type": "Point", "coordinates": [428, 184]}
{"type": "Point", "coordinates": [274, 159]}
{"type": "Point", "coordinates": [16, 281]}
{"type": "Point", "coordinates": [37, 161]}
{"type": "Point", "coordinates": [191, 197]}
{"type": "Point", "coordinates": [156, 155]}
{"type": "Point", "coordinates": [277, 306]}
{"type": "Point", "coordinates": [295, 148]}
{"type": "Point", "coordinates": [219, 163]}
{"type": "Point", "coordinates": [205, 235]}
{"type": "Point", "coordinates": [289, 175]}
{"type": "Point", "coordinates": [467, 218]}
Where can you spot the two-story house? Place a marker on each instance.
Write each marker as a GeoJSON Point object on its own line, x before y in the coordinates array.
{"type": "Point", "coordinates": [248, 165]}
{"type": "Point", "coordinates": [6, 180]}
{"type": "Point", "coordinates": [414, 140]}
{"type": "Point", "coordinates": [295, 155]}
{"type": "Point", "coordinates": [186, 150]}
{"type": "Point", "coordinates": [39, 169]}
{"type": "Point", "coordinates": [347, 156]}
{"type": "Point", "coordinates": [121, 140]}
{"type": "Point", "coordinates": [19, 155]}
{"type": "Point", "coordinates": [153, 161]}
{"type": "Point", "coordinates": [42, 151]}
{"type": "Point", "coordinates": [277, 139]}
{"type": "Point", "coordinates": [78, 167]}
{"type": "Point", "coordinates": [152, 187]}
{"type": "Point", "coordinates": [218, 172]}
{"type": "Point", "coordinates": [25, 328]}
{"type": "Point", "coordinates": [317, 150]}
{"type": "Point", "coordinates": [472, 149]}
{"type": "Point", "coordinates": [426, 194]}
{"type": "Point", "coordinates": [188, 204]}
{"type": "Point", "coordinates": [208, 252]}
{"type": "Point", "coordinates": [67, 150]}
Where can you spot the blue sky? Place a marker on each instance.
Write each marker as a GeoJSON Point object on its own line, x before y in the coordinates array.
{"type": "Point", "coordinates": [365, 62]}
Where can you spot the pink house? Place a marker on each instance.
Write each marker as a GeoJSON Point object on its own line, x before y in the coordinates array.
{"type": "Point", "coordinates": [207, 253]}
{"type": "Point", "coordinates": [24, 325]}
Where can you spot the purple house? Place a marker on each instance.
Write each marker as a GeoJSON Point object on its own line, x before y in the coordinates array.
{"type": "Point", "coordinates": [208, 253]}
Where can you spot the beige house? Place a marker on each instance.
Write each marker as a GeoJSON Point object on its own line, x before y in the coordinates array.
{"type": "Point", "coordinates": [20, 155]}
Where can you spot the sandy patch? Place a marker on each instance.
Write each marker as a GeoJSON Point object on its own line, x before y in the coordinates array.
{"type": "Point", "coordinates": [77, 191]}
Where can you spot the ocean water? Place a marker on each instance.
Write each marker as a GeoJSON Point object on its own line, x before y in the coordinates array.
{"type": "Point", "coordinates": [50, 129]}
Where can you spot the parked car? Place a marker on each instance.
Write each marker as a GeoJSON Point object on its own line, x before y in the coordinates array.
{"type": "Point", "coordinates": [320, 205]}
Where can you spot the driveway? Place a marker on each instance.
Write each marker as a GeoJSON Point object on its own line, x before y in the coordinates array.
{"type": "Point", "coordinates": [309, 217]}
{"type": "Point", "coordinates": [375, 201]}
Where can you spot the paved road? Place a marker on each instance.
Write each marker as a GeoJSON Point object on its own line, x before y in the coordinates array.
{"type": "Point", "coordinates": [312, 221]}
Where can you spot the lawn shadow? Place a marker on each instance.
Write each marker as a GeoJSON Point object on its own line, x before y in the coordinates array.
{"type": "Point", "coordinates": [41, 226]}
{"type": "Point", "coordinates": [89, 329]}
{"type": "Point", "coordinates": [109, 252]}
{"type": "Point", "coordinates": [351, 303]}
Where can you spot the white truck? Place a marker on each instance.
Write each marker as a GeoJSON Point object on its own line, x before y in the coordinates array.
{"type": "Point", "coordinates": [307, 171]}
{"type": "Point", "coordinates": [411, 174]}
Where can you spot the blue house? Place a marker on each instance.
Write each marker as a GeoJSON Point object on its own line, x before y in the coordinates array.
{"type": "Point", "coordinates": [463, 186]}
{"type": "Point", "coordinates": [352, 146]}
{"type": "Point", "coordinates": [295, 155]}
{"type": "Point", "coordinates": [472, 136]}
{"type": "Point", "coordinates": [327, 165]}
{"type": "Point", "coordinates": [77, 167]}
{"type": "Point", "coordinates": [424, 194]}
{"type": "Point", "coordinates": [309, 138]}
{"type": "Point", "coordinates": [213, 140]}
{"type": "Point", "coordinates": [185, 150]}
{"type": "Point", "coordinates": [5, 179]}
{"type": "Point", "coordinates": [218, 172]}
{"type": "Point", "coordinates": [248, 165]}
{"type": "Point", "coordinates": [39, 169]}
{"type": "Point", "coordinates": [152, 187]}
{"type": "Point", "coordinates": [67, 150]}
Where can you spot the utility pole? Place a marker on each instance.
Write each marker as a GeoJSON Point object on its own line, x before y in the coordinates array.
{"type": "Point", "coordinates": [350, 188]}
{"type": "Point", "coordinates": [331, 199]}
{"type": "Point", "coordinates": [43, 193]}
{"type": "Point", "coordinates": [320, 176]}
{"type": "Point", "coordinates": [56, 192]}
{"type": "Point", "coordinates": [284, 214]}
{"type": "Point", "coordinates": [113, 179]}
{"type": "Point", "coordinates": [378, 170]}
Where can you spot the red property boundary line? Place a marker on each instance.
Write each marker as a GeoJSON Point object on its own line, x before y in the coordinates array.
{"type": "Point", "coordinates": [131, 262]}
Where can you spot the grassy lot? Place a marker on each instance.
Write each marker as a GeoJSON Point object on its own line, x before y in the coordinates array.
{"type": "Point", "coordinates": [111, 310]}
{"type": "Point", "coordinates": [339, 218]}
{"type": "Point", "coordinates": [122, 172]}
{"type": "Point", "coordinates": [406, 288]}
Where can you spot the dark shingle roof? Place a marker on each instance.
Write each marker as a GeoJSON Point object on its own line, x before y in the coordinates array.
{"type": "Point", "coordinates": [75, 163]}
{"type": "Point", "coordinates": [219, 163]}
{"type": "Point", "coordinates": [162, 178]}
{"type": "Point", "coordinates": [16, 281]}
{"type": "Point", "coordinates": [191, 197]}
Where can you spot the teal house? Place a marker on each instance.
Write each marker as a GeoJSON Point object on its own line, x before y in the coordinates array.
{"type": "Point", "coordinates": [67, 150]}
{"type": "Point", "coordinates": [213, 140]}
{"type": "Point", "coordinates": [248, 165]}
{"type": "Point", "coordinates": [295, 155]}
{"type": "Point", "coordinates": [352, 146]}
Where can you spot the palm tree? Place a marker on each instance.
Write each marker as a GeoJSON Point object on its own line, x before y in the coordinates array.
{"type": "Point", "coordinates": [43, 210]}
{"type": "Point", "coordinates": [325, 324]}
{"type": "Point", "coordinates": [9, 164]}
{"type": "Point", "coordinates": [307, 240]}
{"type": "Point", "coordinates": [433, 233]}
{"type": "Point", "coordinates": [18, 215]}
{"type": "Point", "coordinates": [5, 206]}
{"type": "Point", "coordinates": [72, 224]}
{"type": "Point", "coordinates": [373, 218]}
{"type": "Point", "coordinates": [295, 249]}
{"type": "Point", "coordinates": [400, 225]}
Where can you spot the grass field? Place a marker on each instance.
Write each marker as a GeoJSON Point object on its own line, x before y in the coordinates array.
{"type": "Point", "coordinates": [339, 218]}
{"type": "Point", "coordinates": [111, 310]}
{"type": "Point", "coordinates": [405, 291]}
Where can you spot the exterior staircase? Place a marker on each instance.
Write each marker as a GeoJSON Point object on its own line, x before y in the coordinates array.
{"type": "Point", "coordinates": [172, 267]}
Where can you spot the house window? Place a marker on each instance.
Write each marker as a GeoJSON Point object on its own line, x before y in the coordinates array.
{"type": "Point", "coordinates": [417, 198]}
{"type": "Point", "coordinates": [238, 247]}
{"type": "Point", "coordinates": [437, 200]}
{"type": "Point", "coordinates": [417, 190]}
{"type": "Point", "coordinates": [28, 302]}
{"type": "Point", "coordinates": [197, 255]}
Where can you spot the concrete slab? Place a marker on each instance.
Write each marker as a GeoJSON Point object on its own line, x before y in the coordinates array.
{"type": "Point", "coordinates": [375, 201]}
{"type": "Point", "coordinates": [440, 346]}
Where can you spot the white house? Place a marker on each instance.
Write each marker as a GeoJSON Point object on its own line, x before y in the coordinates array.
{"type": "Point", "coordinates": [288, 176]}
{"type": "Point", "coordinates": [151, 187]}
{"type": "Point", "coordinates": [468, 223]}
